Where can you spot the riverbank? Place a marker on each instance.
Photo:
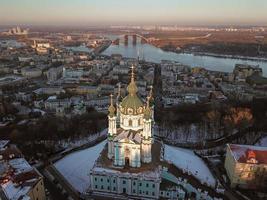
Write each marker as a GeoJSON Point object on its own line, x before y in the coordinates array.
{"type": "Point", "coordinates": [259, 59]}
{"type": "Point", "coordinates": [102, 47]}
{"type": "Point", "coordinates": [212, 62]}
{"type": "Point", "coordinates": [216, 55]}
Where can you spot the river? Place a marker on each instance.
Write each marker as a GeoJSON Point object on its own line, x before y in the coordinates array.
{"type": "Point", "coordinates": [153, 54]}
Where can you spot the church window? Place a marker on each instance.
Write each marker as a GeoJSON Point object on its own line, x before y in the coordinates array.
{"type": "Point", "coordinates": [124, 182]}
{"type": "Point", "coordinates": [130, 122]}
{"type": "Point", "coordinates": [108, 187]}
{"type": "Point", "coordinates": [114, 189]}
{"type": "Point", "coordinates": [133, 190]}
{"type": "Point", "coordinates": [95, 186]}
{"type": "Point", "coordinates": [147, 185]}
{"type": "Point", "coordinates": [140, 192]}
{"type": "Point", "coordinates": [130, 111]}
{"type": "Point", "coordinates": [153, 185]}
{"type": "Point", "coordinates": [114, 181]}
{"type": "Point", "coordinates": [101, 179]}
{"type": "Point", "coordinates": [95, 179]}
{"type": "Point", "coordinates": [140, 184]}
{"type": "Point", "coordinates": [108, 180]}
{"type": "Point", "coordinates": [102, 187]}
{"type": "Point", "coordinates": [146, 192]}
{"type": "Point", "coordinates": [134, 183]}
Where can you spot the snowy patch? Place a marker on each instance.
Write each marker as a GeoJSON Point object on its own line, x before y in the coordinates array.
{"type": "Point", "coordinates": [20, 165]}
{"type": "Point", "coordinates": [186, 160]}
{"type": "Point", "coordinates": [14, 192]}
{"type": "Point", "coordinates": [76, 166]}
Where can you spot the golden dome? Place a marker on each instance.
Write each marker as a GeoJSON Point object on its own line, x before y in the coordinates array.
{"type": "Point", "coordinates": [132, 104]}
{"type": "Point", "coordinates": [111, 108]}
{"type": "Point", "coordinates": [147, 112]}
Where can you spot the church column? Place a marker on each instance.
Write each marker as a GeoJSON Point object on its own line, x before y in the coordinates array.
{"type": "Point", "coordinates": [147, 139]}
{"type": "Point", "coordinates": [118, 104]}
{"type": "Point", "coordinates": [147, 121]}
{"type": "Point", "coordinates": [112, 129]}
{"type": "Point", "coordinates": [146, 150]}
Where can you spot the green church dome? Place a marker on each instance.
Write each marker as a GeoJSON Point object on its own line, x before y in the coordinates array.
{"type": "Point", "coordinates": [132, 104]}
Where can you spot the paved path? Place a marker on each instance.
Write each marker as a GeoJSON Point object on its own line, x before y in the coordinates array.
{"type": "Point", "coordinates": [63, 182]}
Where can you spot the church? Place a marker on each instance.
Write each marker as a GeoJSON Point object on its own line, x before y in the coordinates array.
{"type": "Point", "coordinates": [131, 164]}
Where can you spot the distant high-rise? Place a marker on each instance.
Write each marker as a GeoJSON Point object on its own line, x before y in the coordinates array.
{"type": "Point", "coordinates": [17, 31]}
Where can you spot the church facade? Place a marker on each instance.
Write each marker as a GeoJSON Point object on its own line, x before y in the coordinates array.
{"type": "Point", "coordinates": [131, 164]}
{"type": "Point", "coordinates": [130, 143]}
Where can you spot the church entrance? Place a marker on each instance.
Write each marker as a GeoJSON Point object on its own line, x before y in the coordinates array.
{"type": "Point", "coordinates": [127, 156]}
{"type": "Point", "coordinates": [127, 161]}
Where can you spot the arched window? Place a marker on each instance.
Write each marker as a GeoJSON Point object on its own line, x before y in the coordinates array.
{"type": "Point", "coordinates": [130, 122]}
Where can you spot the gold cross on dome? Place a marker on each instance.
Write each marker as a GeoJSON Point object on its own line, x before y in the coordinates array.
{"type": "Point", "coordinates": [132, 67]}
{"type": "Point", "coordinates": [111, 99]}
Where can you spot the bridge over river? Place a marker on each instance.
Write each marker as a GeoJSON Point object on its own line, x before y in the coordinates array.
{"type": "Point", "coordinates": [125, 39]}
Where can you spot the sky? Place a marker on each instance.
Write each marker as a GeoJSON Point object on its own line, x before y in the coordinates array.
{"type": "Point", "coordinates": [116, 12]}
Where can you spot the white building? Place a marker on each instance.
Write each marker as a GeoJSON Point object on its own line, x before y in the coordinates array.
{"type": "Point", "coordinates": [49, 90]}
{"type": "Point", "coordinates": [52, 104]}
{"type": "Point", "coordinates": [54, 74]}
{"type": "Point", "coordinates": [100, 104]}
{"type": "Point", "coordinates": [31, 72]}
{"type": "Point", "coordinates": [131, 165]}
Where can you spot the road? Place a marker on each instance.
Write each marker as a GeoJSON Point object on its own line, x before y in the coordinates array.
{"type": "Point", "coordinates": [63, 183]}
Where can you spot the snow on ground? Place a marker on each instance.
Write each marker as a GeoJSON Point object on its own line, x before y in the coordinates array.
{"type": "Point", "coordinates": [262, 142]}
{"type": "Point", "coordinates": [76, 166]}
{"type": "Point", "coordinates": [189, 162]}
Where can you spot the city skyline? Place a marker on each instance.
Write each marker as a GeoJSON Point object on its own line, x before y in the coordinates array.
{"type": "Point", "coordinates": [111, 12]}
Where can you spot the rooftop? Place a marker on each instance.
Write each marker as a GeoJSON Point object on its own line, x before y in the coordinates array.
{"type": "Point", "coordinates": [17, 177]}
{"type": "Point", "coordinates": [244, 153]}
{"type": "Point", "coordinates": [128, 135]}
{"type": "Point", "coordinates": [105, 164]}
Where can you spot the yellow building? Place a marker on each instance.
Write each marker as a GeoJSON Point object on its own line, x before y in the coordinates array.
{"type": "Point", "coordinates": [246, 166]}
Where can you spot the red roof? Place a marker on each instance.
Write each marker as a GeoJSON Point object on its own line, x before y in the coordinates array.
{"type": "Point", "coordinates": [243, 153]}
{"type": "Point", "coordinates": [22, 177]}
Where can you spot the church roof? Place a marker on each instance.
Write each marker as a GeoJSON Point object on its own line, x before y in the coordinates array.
{"type": "Point", "coordinates": [131, 104]}
{"type": "Point", "coordinates": [128, 136]}
{"type": "Point", "coordinates": [242, 153]}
